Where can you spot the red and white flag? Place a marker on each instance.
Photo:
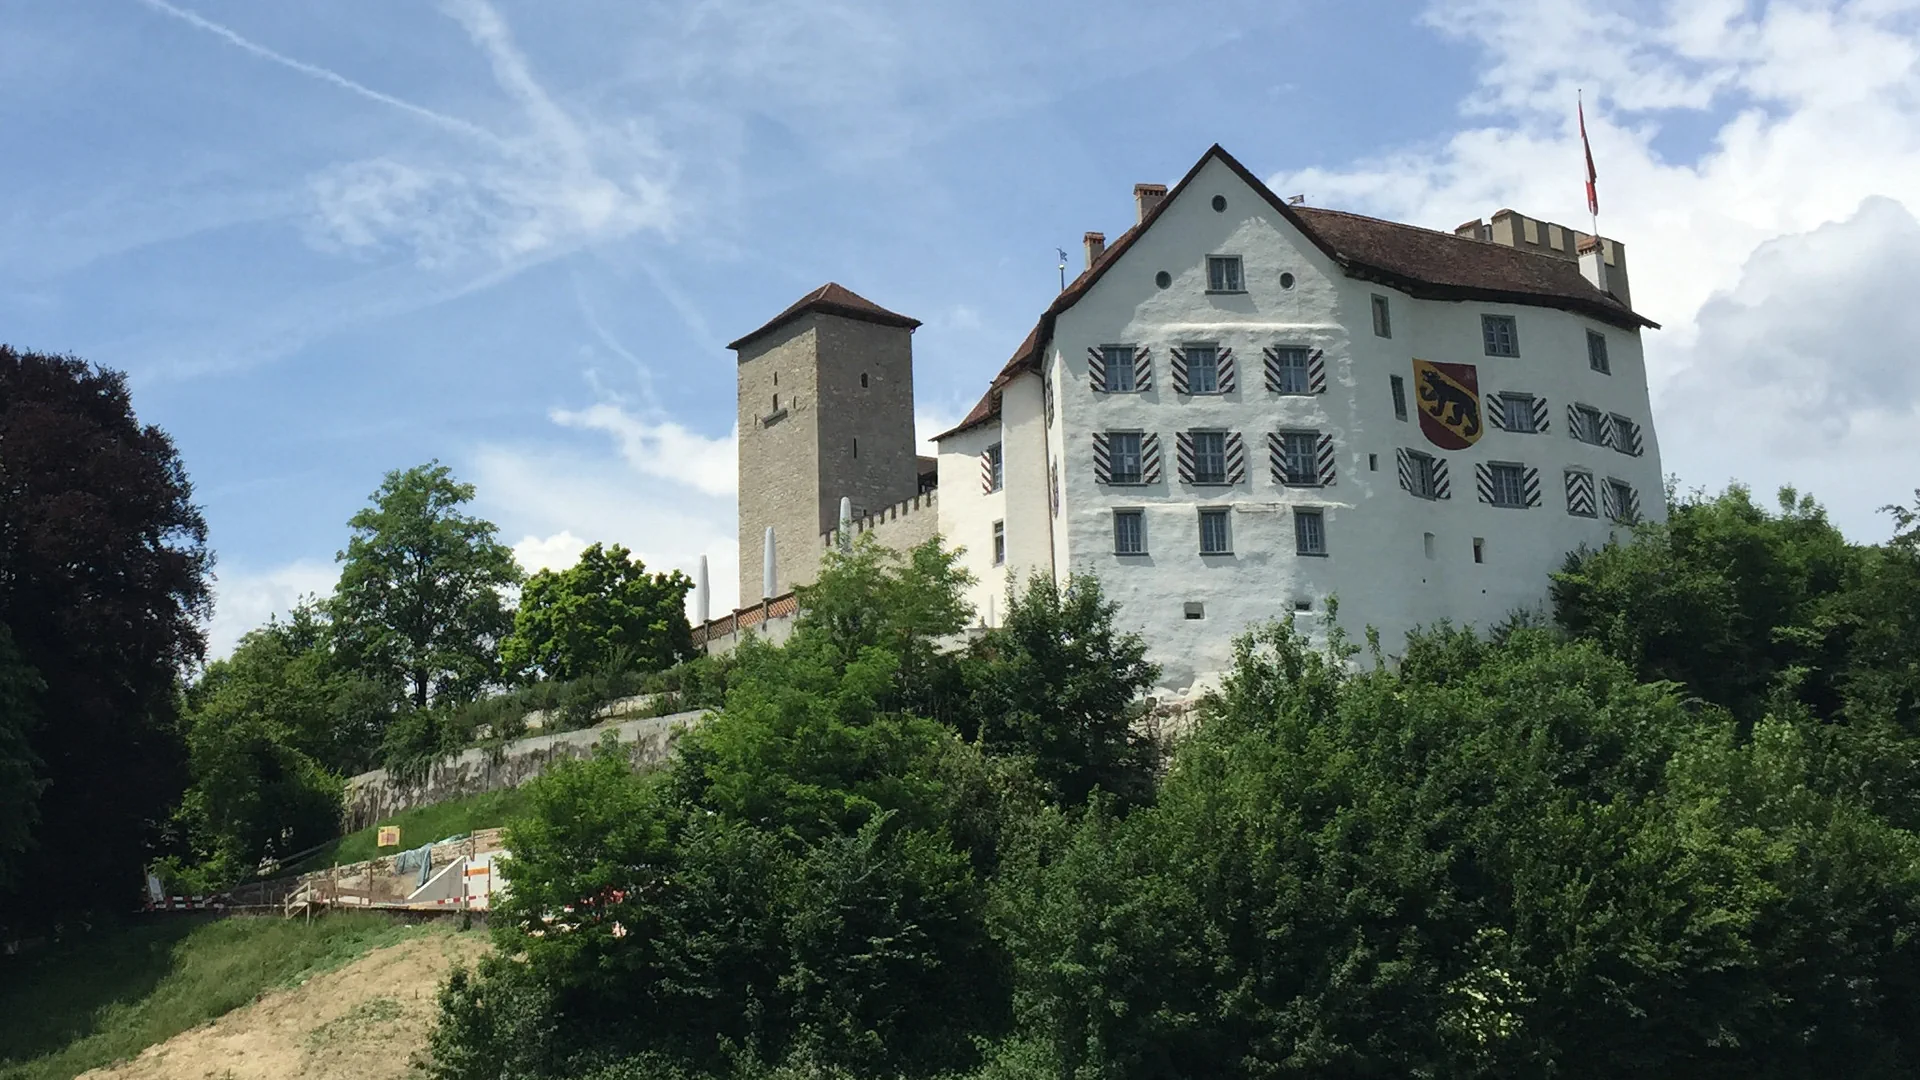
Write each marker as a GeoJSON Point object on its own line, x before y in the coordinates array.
{"type": "Point", "coordinates": [1593, 193]}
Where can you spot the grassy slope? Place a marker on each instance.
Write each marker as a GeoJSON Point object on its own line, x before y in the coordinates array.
{"type": "Point", "coordinates": [110, 994]}
{"type": "Point", "coordinates": [419, 826]}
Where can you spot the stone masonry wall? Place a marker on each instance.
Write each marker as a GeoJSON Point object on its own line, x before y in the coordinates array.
{"type": "Point", "coordinates": [779, 456]}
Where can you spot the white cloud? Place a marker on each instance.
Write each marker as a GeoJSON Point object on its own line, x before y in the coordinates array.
{"type": "Point", "coordinates": [928, 422]}
{"type": "Point", "coordinates": [243, 600]}
{"type": "Point", "coordinates": [1813, 112]}
{"type": "Point", "coordinates": [556, 552]}
{"type": "Point", "coordinates": [663, 449]}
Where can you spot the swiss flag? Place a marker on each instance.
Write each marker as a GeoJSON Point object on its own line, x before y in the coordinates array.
{"type": "Point", "coordinates": [1593, 193]}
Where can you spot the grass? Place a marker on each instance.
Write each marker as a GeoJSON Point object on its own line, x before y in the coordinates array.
{"type": "Point", "coordinates": [105, 996]}
{"type": "Point", "coordinates": [419, 826]}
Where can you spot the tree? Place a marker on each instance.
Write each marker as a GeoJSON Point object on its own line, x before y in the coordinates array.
{"type": "Point", "coordinates": [1057, 682]}
{"type": "Point", "coordinates": [20, 783]}
{"type": "Point", "coordinates": [605, 609]}
{"type": "Point", "coordinates": [104, 583]}
{"type": "Point", "coordinates": [419, 601]}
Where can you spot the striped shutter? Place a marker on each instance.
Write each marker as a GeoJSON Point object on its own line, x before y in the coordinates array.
{"type": "Point", "coordinates": [1633, 505]}
{"type": "Point", "coordinates": [1530, 484]}
{"type": "Point", "coordinates": [1277, 456]}
{"type": "Point", "coordinates": [1483, 481]}
{"type": "Point", "coordinates": [1636, 443]}
{"type": "Point", "coordinates": [1046, 399]}
{"type": "Point", "coordinates": [1102, 459]}
{"type": "Point", "coordinates": [1226, 378]}
{"type": "Point", "coordinates": [1323, 459]}
{"type": "Point", "coordinates": [1097, 370]}
{"type": "Point", "coordinates": [1053, 470]}
{"type": "Point", "coordinates": [1150, 458]}
{"type": "Point", "coordinates": [1579, 493]}
{"type": "Point", "coordinates": [1273, 368]}
{"type": "Point", "coordinates": [1494, 408]}
{"type": "Point", "coordinates": [1442, 481]}
{"type": "Point", "coordinates": [1143, 370]}
{"type": "Point", "coordinates": [1179, 370]}
{"type": "Point", "coordinates": [1403, 461]}
{"type": "Point", "coordinates": [1183, 453]}
{"type": "Point", "coordinates": [1316, 372]}
{"type": "Point", "coordinates": [1573, 421]}
{"type": "Point", "coordinates": [1236, 458]}
{"type": "Point", "coordinates": [1607, 506]}
{"type": "Point", "coordinates": [1540, 415]}
{"type": "Point", "coordinates": [986, 472]}
{"type": "Point", "coordinates": [1607, 432]}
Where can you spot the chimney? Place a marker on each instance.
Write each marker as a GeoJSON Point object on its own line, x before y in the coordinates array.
{"type": "Point", "coordinates": [1593, 263]}
{"type": "Point", "coordinates": [1096, 245]}
{"type": "Point", "coordinates": [1148, 196]}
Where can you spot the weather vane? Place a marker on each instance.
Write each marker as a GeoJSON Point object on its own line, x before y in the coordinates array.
{"type": "Point", "coordinates": [1063, 268]}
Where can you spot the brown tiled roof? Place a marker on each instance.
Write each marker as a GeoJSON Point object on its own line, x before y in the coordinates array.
{"type": "Point", "coordinates": [832, 299]}
{"type": "Point", "coordinates": [1419, 262]}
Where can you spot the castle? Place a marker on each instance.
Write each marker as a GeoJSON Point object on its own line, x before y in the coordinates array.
{"type": "Point", "coordinates": [1241, 408]}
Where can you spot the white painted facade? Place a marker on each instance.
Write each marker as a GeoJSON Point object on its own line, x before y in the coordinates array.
{"type": "Point", "coordinates": [1393, 559]}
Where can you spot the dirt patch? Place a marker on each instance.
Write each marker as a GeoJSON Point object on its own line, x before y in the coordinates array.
{"type": "Point", "coordinates": [362, 1021]}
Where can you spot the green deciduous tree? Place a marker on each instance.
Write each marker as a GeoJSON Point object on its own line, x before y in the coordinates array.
{"type": "Point", "coordinates": [104, 584]}
{"type": "Point", "coordinates": [20, 782]}
{"type": "Point", "coordinates": [604, 610]}
{"type": "Point", "coordinates": [1056, 681]}
{"type": "Point", "coordinates": [419, 601]}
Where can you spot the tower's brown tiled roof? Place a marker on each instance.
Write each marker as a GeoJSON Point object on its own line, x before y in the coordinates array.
{"type": "Point", "coordinates": [1419, 262]}
{"type": "Point", "coordinates": [832, 299]}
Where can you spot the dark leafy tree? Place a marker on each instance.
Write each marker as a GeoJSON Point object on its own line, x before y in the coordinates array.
{"type": "Point", "coordinates": [104, 582]}
{"type": "Point", "coordinates": [20, 782]}
{"type": "Point", "coordinates": [604, 610]}
{"type": "Point", "coordinates": [419, 602]}
{"type": "Point", "coordinates": [1057, 682]}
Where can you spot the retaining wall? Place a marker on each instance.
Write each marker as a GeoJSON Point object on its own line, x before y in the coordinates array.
{"type": "Point", "coordinates": [373, 797]}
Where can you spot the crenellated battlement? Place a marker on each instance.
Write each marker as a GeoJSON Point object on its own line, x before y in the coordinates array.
{"type": "Point", "coordinates": [925, 505]}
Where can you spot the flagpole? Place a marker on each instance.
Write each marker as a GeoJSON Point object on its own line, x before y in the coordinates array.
{"type": "Point", "coordinates": [1593, 204]}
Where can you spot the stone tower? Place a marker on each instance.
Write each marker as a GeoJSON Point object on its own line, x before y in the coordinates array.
{"type": "Point", "coordinates": [826, 410]}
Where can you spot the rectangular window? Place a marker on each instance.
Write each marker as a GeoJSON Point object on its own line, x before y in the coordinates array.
{"type": "Point", "coordinates": [1203, 369]}
{"type": "Point", "coordinates": [1516, 413]}
{"type": "Point", "coordinates": [1382, 318]}
{"type": "Point", "coordinates": [1586, 424]}
{"type": "Point", "coordinates": [1297, 449]}
{"type": "Point", "coordinates": [999, 542]}
{"type": "Point", "coordinates": [1215, 537]}
{"type": "Point", "coordinates": [1129, 533]}
{"type": "Point", "coordinates": [1622, 500]}
{"type": "Point", "coordinates": [1209, 457]}
{"type": "Point", "coordinates": [1119, 368]}
{"type": "Point", "coordinates": [1501, 334]}
{"type": "Point", "coordinates": [1223, 274]}
{"type": "Point", "coordinates": [1625, 434]}
{"type": "Point", "coordinates": [1425, 484]}
{"type": "Point", "coordinates": [1309, 532]}
{"type": "Point", "coordinates": [1399, 397]}
{"type": "Point", "coordinates": [1509, 484]}
{"type": "Point", "coordinates": [995, 463]}
{"type": "Point", "coordinates": [1597, 353]}
{"type": "Point", "coordinates": [1292, 370]}
{"type": "Point", "coordinates": [1123, 454]}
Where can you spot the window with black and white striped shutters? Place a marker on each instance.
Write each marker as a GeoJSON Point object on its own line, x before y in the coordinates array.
{"type": "Point", "coordinates": [1118, 457]}
{"type": "Point", "coordinates": [1626, 436]}
{"type": "Point", "coordinates": [1580, 493]}
{"type": "Point", "coordinates": [1501, 483]}
{"type": "Point", "coordinates": [1114, 369]}
{"type": "Point", "coordinates": [1619, 501]}
{"type": "Point", "coordinates": [1211, 457]}
{"type": "Point", "coordinates": [1301, 458]}
{"type": "Point", "coordinates": [1292, 369]}
{"type": "Point", "coordinates": [1423, 475]}
{"type": "Point", "coordinates": [992, 470]}
{"type": "Point", "coordinates": [1523, 414]}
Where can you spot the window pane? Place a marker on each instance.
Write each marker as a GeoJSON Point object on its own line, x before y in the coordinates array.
{"type": "Point", "coordinates": [1399, 397]}
{"type": "Point", "coordinates": [1500, 334]}
{"type": "Point", "coordinates": [1299, 447]}
{"type": "Point", "coordinates": [1508, 485]}
{"type": "Point", "coordinates": [1293, 371]}
{"type": "Point", "coordinates": [1519, 413]}
{"type": "Point", "coordinates": [1382, 320]}
{"type": "Point", "coordinates": [1209, 457]}
{"type": "Point", "coordinates": [1126, 532]}
{"type": "Point", "coordinates": [999, 468]}
{"type": "Point", "coordinates": [1119, 368]}
{"type": "Point", "coordinates": [1597, 352]}
{"type": "Point", "coordinates": [1124, 455]}
{"type": "Point", "coordinates": [1203, 369]}
{"type": "Point", "coordinates": [1213, 532]}
{"type": "Point", "coordinates": [1309, 533]}
{"type": "Point", "coordinates": [1423, 482]}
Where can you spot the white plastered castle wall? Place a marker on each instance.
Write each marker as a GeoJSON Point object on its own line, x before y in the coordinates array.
{"type": "Point", "coordinates": [1376, 562]}
{"type": "Point", "coordinates": [967, 513]}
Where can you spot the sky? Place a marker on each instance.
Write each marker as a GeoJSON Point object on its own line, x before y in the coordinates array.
{"type": "Point", "coordinates": [326, 241]}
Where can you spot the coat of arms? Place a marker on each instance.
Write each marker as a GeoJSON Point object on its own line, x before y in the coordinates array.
{"type": "Point", "coordinates": [1448, 396]}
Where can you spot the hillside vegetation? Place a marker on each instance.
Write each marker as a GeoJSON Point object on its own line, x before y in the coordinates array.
{"type": "Point", "coordinates": [1665, 829]}
{"type": "Point", "coordinates": [104, 996]}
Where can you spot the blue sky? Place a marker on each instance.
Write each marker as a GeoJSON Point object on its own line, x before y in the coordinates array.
{"type": "Point", "coordinates": [330, 240]}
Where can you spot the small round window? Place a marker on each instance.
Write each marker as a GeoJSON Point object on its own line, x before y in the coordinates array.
{"type": "Point", "coordinates": [1163, 279]}
{"type": "Point", "coordinates": [1286, 281]}
{"type": "Point", "coordinates": [1219, 203]}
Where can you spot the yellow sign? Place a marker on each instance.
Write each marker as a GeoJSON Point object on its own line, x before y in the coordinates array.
{"type": "Point", "coordinates": [389, 836]}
